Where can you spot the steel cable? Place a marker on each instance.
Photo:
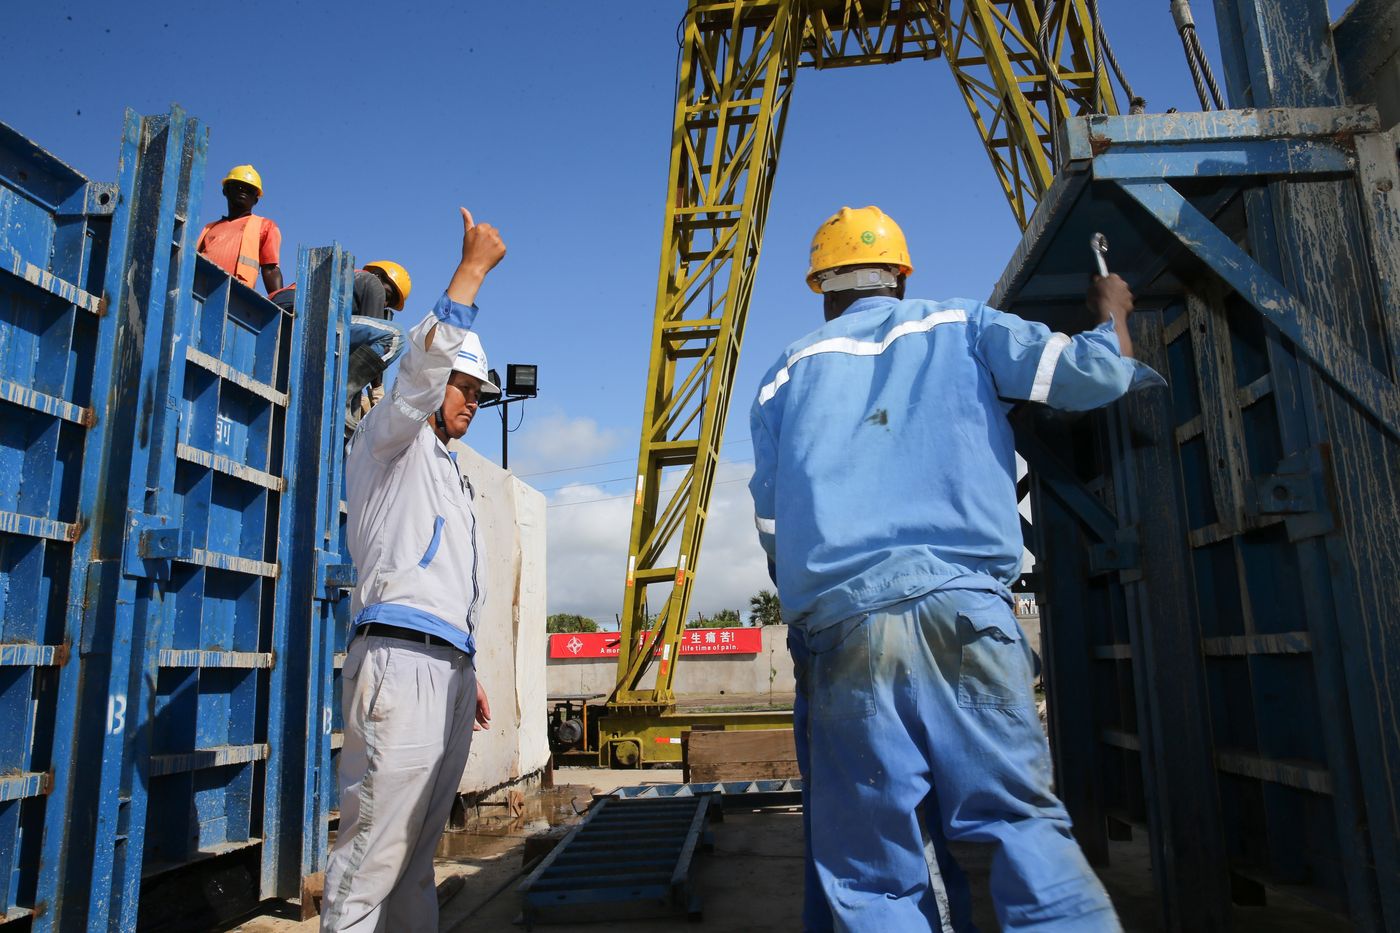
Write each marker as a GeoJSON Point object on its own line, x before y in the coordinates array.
{"type": "Point", "coordinates": [1196, 61]}
{"type": "Point", "coordinates": [1205, 68]}
{"type": "Point", "coordinates": [1136, 104]}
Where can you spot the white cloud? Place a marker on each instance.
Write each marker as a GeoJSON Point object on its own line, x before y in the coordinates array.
{"type": "Point", "coordinates": [587, 541]}
{"type": "Point", "coordinates": [588, 529]}
{"type": "Point", "coordinates": [553, 440]}
{"type": "Point", "coordinates": [732, 565]}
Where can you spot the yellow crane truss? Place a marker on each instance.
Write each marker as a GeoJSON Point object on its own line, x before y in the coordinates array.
{"type": "Point", "coordinates": [1022, 66]}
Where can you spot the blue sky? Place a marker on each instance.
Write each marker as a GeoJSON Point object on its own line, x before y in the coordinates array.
{"type": "Point", "coordinates": [371, 122]}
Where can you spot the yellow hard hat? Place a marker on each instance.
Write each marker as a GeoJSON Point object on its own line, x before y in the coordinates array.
{"type": "Point", "coordinates": [398, 275]}
{"type": "Point", "coordinates": [246, 174]}
{"type": "Point", "coordinates": [857, 236]}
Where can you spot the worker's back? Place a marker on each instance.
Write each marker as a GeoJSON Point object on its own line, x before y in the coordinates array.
{"type": "Point", "coordinates": [895, 463]}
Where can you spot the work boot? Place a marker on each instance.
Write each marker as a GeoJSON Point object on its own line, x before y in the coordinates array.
{"type": "Point", "coordinates": [365, 367]}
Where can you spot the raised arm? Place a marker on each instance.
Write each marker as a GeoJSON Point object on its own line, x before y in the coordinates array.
{"type": "Point", "coordinates": [432, 345]}
{"type": "Point", "coordinates": [1029, 362]}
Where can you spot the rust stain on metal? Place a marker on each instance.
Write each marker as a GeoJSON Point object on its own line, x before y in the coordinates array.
{"type": "Point", "coordinates": [46, 784]}
{"type": "Point", "coordinates": [88, 418]}
{"type": "Point", "coordinates": [62, 653]}
{"type": "Point", "coordinates": [1098, 145]}
{"type": "Point", "coordinates": [76, 529]}
{"type": "Point", "coordinates": [102, 306]}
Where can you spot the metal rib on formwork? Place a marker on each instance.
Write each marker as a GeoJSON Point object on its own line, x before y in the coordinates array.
{"type": "Point", "coordinates": [631, 858]}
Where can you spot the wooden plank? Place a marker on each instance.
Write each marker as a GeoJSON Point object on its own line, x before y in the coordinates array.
{"type": "Point", "coordinates": [740, 754]}
{"type": "Point", "coordinates": [744, 771]}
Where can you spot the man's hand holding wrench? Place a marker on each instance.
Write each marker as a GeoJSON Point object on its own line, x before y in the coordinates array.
{"type": "Point", "coordinates": [1109, 297]}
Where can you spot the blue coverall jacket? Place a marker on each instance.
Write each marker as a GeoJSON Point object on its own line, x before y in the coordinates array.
{"type": "Point", "coordinates": [884, 462]}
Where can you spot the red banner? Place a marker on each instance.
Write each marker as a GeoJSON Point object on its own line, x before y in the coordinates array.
{"type": "Point", "coordinates": [693, 641]}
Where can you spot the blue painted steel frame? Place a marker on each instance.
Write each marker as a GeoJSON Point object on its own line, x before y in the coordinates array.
{"type": "Point", "coordinates": [172, 557]}
{"type": "Point", "coordinates": [54, 370]}
{"type": "Point", "coordinates": [164, 639]}
{"type": "Point", "coordinates": [1313, 239]}
{"type": "Point", "coordinates": [1293, 764]}
{"type": "Point", "coordinates": [299, 767]}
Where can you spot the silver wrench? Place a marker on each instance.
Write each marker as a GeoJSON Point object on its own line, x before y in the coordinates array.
{"type": "Point", "coordinates": [1099, 244]}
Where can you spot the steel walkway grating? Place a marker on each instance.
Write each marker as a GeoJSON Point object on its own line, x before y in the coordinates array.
{"type": "Point", "coordinates": [628, 858]}
{"type": "Point", "coordinates": [785, 792]}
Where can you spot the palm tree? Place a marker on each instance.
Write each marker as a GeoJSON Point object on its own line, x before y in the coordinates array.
{"type": "Point", "coordinates": [764, 609]}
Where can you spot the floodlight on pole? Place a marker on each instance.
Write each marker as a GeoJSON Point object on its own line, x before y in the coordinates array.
{"type": "Point", "coordinates": [522, 382]}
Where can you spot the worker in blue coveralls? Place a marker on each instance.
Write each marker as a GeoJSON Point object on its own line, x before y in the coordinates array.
{"type": "Point", "coordinates": [884, 492]}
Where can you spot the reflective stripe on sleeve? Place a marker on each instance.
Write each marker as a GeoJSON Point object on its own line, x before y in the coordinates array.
{"type": "Point", "coordinates": [767, 526]}
{"type": "Point", "coordinates": [402, 405]}
{"type": "Point", "coordinates": [1045, 370]}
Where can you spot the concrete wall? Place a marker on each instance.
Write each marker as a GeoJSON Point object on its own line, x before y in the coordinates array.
{"type": "Point", "coordinates": [714, 675]}
{"type": "Point", "coordinates": [510, 639]}
{"type": "Point", "coordinates": [696, 675]}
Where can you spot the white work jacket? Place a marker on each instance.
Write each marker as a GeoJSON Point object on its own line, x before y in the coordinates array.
{"type": "Point", "coordinates": [411, 530]}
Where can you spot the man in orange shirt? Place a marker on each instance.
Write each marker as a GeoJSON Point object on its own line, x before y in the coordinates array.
{"type": "Point", "coordinates": [242, 243]}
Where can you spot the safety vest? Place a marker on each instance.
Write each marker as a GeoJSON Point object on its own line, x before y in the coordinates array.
{"type": "Point", "coordinates": [247, 267]}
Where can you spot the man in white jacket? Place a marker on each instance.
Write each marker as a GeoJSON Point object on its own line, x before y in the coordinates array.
{"type": "Point", "coordinates": [410, 696]}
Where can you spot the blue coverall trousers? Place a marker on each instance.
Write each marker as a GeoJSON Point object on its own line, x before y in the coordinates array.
{"type": "Point", "coordinates": [385, 336]}
{"type": "Point", "coordinates": [926, 709]}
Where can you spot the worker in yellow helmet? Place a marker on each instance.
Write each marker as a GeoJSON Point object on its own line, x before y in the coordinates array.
{"type": "Point", "coordinates": [376, 339]}
{"type": "Point", "coordinates": [242, 243]}
{"type": "Point", "coordinates": [884, 493]}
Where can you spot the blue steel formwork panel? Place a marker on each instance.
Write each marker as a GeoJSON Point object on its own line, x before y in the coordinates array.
{"type": "Point", "coordinates": [56, 343]}
{"type": "Point", "coordinates": [167, 551]}
{"type": "Point", "coordinates": [339, 634]}
{"type": "Point", "coordinates": [300, 777]}
{"type": "Point", "coordinates": [1215, 560]}
{"type": "Point", "coordinates": [123, 630]}
{"type": "Point", "coordinates": [215, 628]}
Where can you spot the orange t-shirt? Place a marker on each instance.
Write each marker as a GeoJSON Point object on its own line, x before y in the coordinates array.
{"type": "Point", "coordinates": [221, 241]}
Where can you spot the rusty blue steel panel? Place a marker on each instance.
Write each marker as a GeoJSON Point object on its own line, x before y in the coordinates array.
{"type": "Point", "coordinates": [296, 794]}
{"type": "Point", "coordinates": [1233, 688]}
{"type": "Point", "coordinates": [55, 360]}
{"type": "Point", "coordinates": [1376, 392]}
{"type": "Point", "coordinates": [170, 604]}
{"type": "Point", "coordinates": [152, 281]}
{"type": "Point", "coordinates": [221, 456]}
{"type": "Point", "coordinates": [336, 574]}
{"type": "Point", "coordinates": [1320, 242]}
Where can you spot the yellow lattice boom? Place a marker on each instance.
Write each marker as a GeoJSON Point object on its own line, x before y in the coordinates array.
{"type": "Point", "coordinates": [1022, 67]}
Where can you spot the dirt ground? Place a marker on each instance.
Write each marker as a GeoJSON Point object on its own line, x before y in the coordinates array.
{"type": "Point", "coordinates": [750, 883]}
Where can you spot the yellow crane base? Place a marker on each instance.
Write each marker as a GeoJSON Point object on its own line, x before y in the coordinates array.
{"type": "Point", "coordinates": [634, 739]}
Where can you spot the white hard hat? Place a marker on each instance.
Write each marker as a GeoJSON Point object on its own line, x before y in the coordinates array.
{"type": "Point", "coordinates": [471, 359]}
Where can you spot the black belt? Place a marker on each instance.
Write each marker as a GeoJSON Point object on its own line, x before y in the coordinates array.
{"type": "Point", "coordinates": [407, 634]}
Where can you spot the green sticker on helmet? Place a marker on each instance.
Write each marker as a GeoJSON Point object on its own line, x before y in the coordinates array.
{"type": "Point", "coordinates": [867, 238]}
